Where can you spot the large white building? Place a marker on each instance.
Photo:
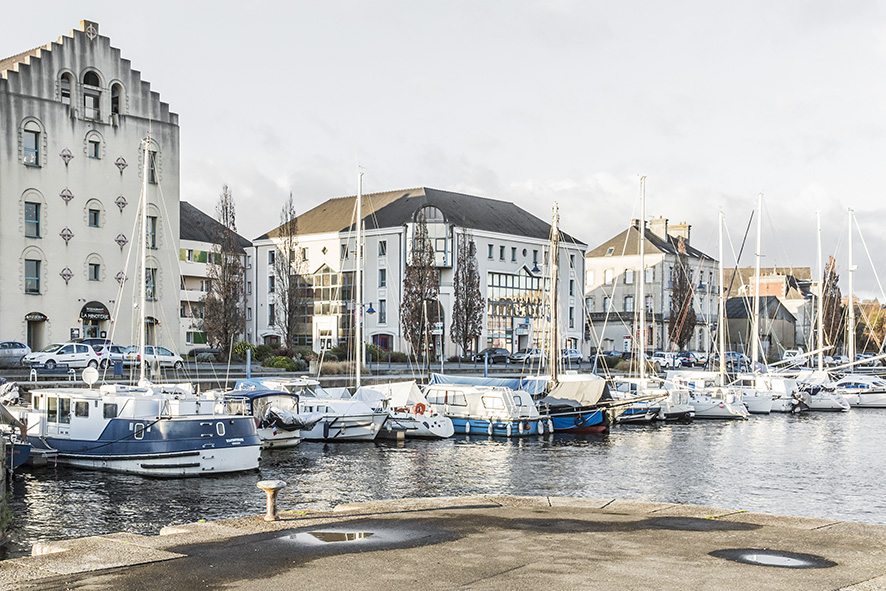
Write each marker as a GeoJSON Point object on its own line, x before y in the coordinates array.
{"type": "Point", "coordinates": [612, 280]}
{"type": "Point", "coordinates": [74, 115]}
{"type": "Point", "coordinates": [511, 250]}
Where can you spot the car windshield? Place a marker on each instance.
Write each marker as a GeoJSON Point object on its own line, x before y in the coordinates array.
{"type": "Point", "coordinates": [50, 348]}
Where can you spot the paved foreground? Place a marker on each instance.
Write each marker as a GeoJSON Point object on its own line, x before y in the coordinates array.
{"type": "Point", "coordinates": [494, 543]}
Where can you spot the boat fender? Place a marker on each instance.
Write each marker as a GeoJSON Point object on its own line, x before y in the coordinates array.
{"type": "Point", "coordinates": [420, 408]}
{"type": "Point", "coordinates": [325, 430]}
{"type": "Point", "coordinates": [520, 428]}
{"type": "Point", "coordinates": [550, 425]}
{"type": "Point", "coordinates": [490, 428]}
{"type": "Point", "coordinates": [508, 430]}
{"type": "Point", "coordinates": [541, 427]}
{"type": "Point", "coordinates": [467, 426]}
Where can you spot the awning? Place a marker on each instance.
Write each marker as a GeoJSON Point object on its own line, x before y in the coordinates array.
{"type": "Point", "coordinates": [94, 311]}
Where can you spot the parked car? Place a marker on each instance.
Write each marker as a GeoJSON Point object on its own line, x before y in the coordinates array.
{"type": "Point", "coordinates": [71, 354]}
{"type": "Point", "coordinates": [496, 355]}
{"type": "Point", "coordinates": [865, 359]}
{"type": "Point", "coordinates": [532, 355]}
{"type": "Point", "coordinates": [686, 359]}
{"type": "Point", "coordinates": [109, 353]}
{"type": "Point", "coordinates": [12, 353]}
{"type": "Point", "coordinates": [841, 359]}
{"type": "Point", "coordinates": [153, 354]}
{"type": "Point", "coordinates": [666, 359]}
{"type": "Point", "coordinates": [570, 356]}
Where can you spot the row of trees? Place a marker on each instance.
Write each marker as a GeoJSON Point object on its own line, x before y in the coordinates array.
{"type": "Point", "coordinates": [223, 316]}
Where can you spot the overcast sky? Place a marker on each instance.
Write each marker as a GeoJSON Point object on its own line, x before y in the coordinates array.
{"type": "Point", "coordinates": [529, 102]}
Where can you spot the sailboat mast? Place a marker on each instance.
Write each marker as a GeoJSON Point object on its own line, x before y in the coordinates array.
{"type": "Point", "coordinates": [143, 284]}
{"type": "Point", "coordinates": [641, 354]}
{"type": "Point", "coordinates": [820, 323]}
{"type": "Point", "coordinates": [358, 307]}
{"type": "Point", "coordinates": [721, 313]}
{"type": "Point", "coordinates": [851, 316]}
{"type": "Point", "coordinates": [553, 347]}
{"type": "Point", "coordinates": [755, 331]}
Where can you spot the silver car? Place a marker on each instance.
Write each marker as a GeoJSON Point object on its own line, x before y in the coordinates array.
{"type": "Point", "coordinates": [12, 353]}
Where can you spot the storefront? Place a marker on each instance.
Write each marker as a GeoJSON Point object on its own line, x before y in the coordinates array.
{"type": "Point", "coordinates": [95, 317]}
{"type": "Point", "coordinates": [36, 330]}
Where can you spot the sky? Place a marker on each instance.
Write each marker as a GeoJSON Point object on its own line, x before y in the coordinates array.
{"type": "Point", "coordinates": [530, 102]}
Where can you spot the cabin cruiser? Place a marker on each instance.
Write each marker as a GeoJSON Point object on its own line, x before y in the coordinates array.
{"type": "Point", "coordinates": [754, 394]}
{"type": "Point", "coordinates": [708, 400]}
{"type": "Point", "coordinates": [276, 415]}
{"type": "Point", "coordinates": [785, 394]}
{"type": "Point", "coordinates": [817, 390]}
{"type": "Point", "coordinates": [862, 391]}
{"type": "Point", "coordinates": [490, 410]}
{"type": "Point", "coordinates": [672, 405]}
{"type": "Point", "coordinates": [409, 410]}
{"type": "Point", "coordinates": [642, 411]}
{"type": "Point", "coordinates": [340, 418]}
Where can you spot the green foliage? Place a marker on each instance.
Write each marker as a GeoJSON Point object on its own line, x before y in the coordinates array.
{"type": "Point", "coordinates": [263, 352]}
{"type": "Point", "coordinates": [242, 347]}
{"type": "Point", "coordinates": [205, 357]}
{"type": "Point", "coordinates": [280, 362]}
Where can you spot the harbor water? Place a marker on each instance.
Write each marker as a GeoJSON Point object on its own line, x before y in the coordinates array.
{"type": "Point", "coordinates": [825, 465]}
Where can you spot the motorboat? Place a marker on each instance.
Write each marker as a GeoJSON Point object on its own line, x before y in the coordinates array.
{"type": "Point", "coordinates": [642, 411]}
{"type": "Point", "coordinates": [708, 399]}
{"type": "Point", "coordinates": [491, 410]}
{"type": "Point", "coordinates": [785, 394]}
{"type": "Point", "coordinates": [754, 394]}
{"type": "Point", "coordinates": [276, 414]}
{"type": "Point", "coordinates": [817, 390]}
{"type": "Point", "coordinates": [862, 391]}
{"type": "Point", "coordinates": [340, 419]}
{"type": "Point", "coordinates": [410, 413]}
{"type": "Point", "coordinates": [151, 430]}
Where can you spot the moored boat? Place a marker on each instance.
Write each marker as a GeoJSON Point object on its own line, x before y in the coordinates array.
{"type": "Point", "coordinates": [490, 410]}
{"type": "Point", "coordinates": [410, 413]}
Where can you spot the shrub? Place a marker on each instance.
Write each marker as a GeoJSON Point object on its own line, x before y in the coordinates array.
{"type": "Point", "coordinates": [397, 357]}
{"type": "Point", "coordinates": [279, 362]}
{"type": "Point", "coordinates": [242, 347]}
{"type": "Point", "coordinates": [376, 353]}
{"type": "Point", "coordinates": [205, 358]}
{"type": "Point", "coordinates": [337, 368]}
{"type": "Point", "coordinates": [263, 352]}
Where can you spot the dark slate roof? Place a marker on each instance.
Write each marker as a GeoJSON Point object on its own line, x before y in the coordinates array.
{"type": "Point", "coordinates": [770, 307]}
{"type": "Point", "coordinates": [200, 227]}
{"type": "Point", "coordinates": [628, 243]}
{"type": "Point", "coordinates": [396, 208]}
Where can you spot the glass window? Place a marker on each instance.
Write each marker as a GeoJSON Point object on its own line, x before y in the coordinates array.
{"type": "Point", "coordinates": [91, 105]}
{"type": "Point", "coordinates": [650, 274]}
{"type": "Point", "coordinates": [66, 90]}
{"type": "Point", "coordinates": [152, 169]}
{"type": "Point", "coordinates": [32, 220]}
{"type": "Point", "coordinates": [513, 254]}
{"type": "Point", "coordinates": [629, 303]}
{"type": "Point", "coordinates": [344, 251]}
{"type": "Point", "coordinates": [32, 148]}
{"type": "Point", "coordinates": [93, 149]}
{"type": "Point", "coordinates": [94, 217]}
{"type": "Point", "coordinates": [571, 317]}
{"type": "Point", "coordinates": [272, 283]}
{"type": "Point", "coordinates": [93, 271]}
{"type": "Point", "coordinates": [64, 410]}
{"type": "Point", "coordinates": [151, 283]}
{"type": "Point", "coordinates": [535, 257]}
{"type": "Point", "coordinates": [501, 253]}
{"type": "Point", "coordinates": [81, 408]}
{"type": "Point", "coordinates": [382, 277]}
{"type": "Point", "coordinates": [608, 276]}
{"type": "Point", "coordinates": [382, 312]}
{"type": "Point", "coordinates": [52, 410]}
{"type": "Point", "coordinates": [572, 287]}
{"type": "Point", "coordinates": [116, 91]}
{"type": "Point", "coordinates": [248, 287]}
{"type": "Point", "coordinates": [490, 251]}
{"type": "Point", "coordinates": [272, 316]}
{"type": "Point", "coordinates": [629, 276]}
{"type": "Point", "coordinates": [493, 402]}
{"type": "Point", "coordinates": [109, 411]}
{"type": "Point", "coordinates": [382, 248]}
{"type": "Point", "coordinates": [32, 276]}
{"type": "Point", "coordinates": [270, 257]}
{"type": "Point", "coordinates": [151, 238]}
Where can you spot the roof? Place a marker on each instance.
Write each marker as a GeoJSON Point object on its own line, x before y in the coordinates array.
{"type": "Point", "coordinates": [200, 227]}
{"type": "Point", "coordinates": [628, 243]}
{"type": "Point", "coordinates": [770, 307]}
{"type": "Point", "coordinates": [20, 58]}
{"type": "Point", "coordinates": [799, 279]}
{"type": "Point", "coordinates": [396, 208]}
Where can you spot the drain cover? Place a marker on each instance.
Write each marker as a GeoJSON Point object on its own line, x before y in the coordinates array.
{"type": "Point", "coordinates": [777, 558]}
{"type": "Point", "coordinates": [340, 536]}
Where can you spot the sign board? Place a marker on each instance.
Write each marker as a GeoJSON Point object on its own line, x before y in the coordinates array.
{"type": "Point", "coordinates": [36, 317]}
{"type": "Point", "coordinates": [94, 311]}
{"type": "Point", "coordinates": [75, 333]}
{"type": "Point", "coordinates": [522, 330]}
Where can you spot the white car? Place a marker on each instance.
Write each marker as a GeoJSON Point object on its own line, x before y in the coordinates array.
{"type": "Point", "coordinates": [667, 360]}
{"type": "Point", "coordinates": [70, 354]}
{"type": "Point", "coordinates": [110, 354]}
{"type": "Point", "coordinates": [154, 354]}
{"type": "Point", "coordinates": [12, 353]}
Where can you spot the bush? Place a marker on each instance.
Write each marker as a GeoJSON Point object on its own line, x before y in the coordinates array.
{"type": "Point", "coordinates": [242, 347]}
{"type": "Point", "coordinates": [337, 368]}
{"type": "Point", "coordinates": [263, 352]}
{"type": "Point", "coordinates": [279, 362]}
{"type": "Point", "coordinates": [376, 353]}
{"type": "Point", "coordinates": [205, 358]}
{"type": "Point", "coordinates": [397, 357]}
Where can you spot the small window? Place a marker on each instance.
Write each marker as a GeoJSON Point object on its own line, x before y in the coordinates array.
{"type": "Point", "coordinates": [272, 283]}
{"type": "Point", "coordinates": [248, 287]}
{"type": "Point", "coordinates": [571, 317]}
{"type": "Point", "coordinates": [304, 253]}
{"type": "Point", "coordinates": [272, 316]}
{"type": "Point", "coordinates": [151, 238]}
{"type": "Point", "coordinates": [32, 276]}
{"type": "Point", "coordinates": [66, 89]}
{"type": "Point", "coordinates": [382, 312]}
{"type": "Point", "coordinates": [382, 248]}
{"type": "Point", "coordinates": [220, 429]}
{"type": "Point", "coordinates": [629, 276]}
{"type": "Point", "coordinates": [535, 257]}
{"type": "Point", "coordinates": [52, 409]}
{"type": "Point", "coordinates": [493, 402]}
{"type": "Point", "coordinates": [116, 96]}
{"type": "Point", "coordinates": [382, 277]}
{"type": "Point", "coordinates": [31, 155]}
{"type": "Point", "coordinates": [64, 410]}
{"type": "Point", "coordinates": [518, 401]}
{"type": "Point", "coordinates": [94, 271]}
{"type": "Point", "coordinates": [513, 254]}
{"type": "Point", "coordinates": [151, 283]}
{"type": "Point", "coordinates": [152, 167]}
{"type": "Point", "coordinates": [344, 251]}
{"type": "Point", "coordinates": [93, 218]}
{"type": "Point", "coordinates": [490, 251]}
{"type": "Point", "coordinates": [139, 431]}
{"type": "Point", "coordinates": [271, 257]}
{"type": "Point", "coordinates": [609, 251]}
{"type": "Point", "coordinates": [501, 253]}
{"type": "Point", "coordinates": [32, 220]}
{"type": "Point", "coordinates": [81, 408]}
{"type": "Point", "coordinates": [572, 287]}
{"type": "Point", "coordinates": [93, 149]}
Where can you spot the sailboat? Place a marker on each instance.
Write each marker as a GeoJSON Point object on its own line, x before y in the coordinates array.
{"type": "Point", "coordinates": [161, 430]}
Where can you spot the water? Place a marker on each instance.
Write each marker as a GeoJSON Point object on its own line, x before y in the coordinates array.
{"type": "Point", "coordinates": [826, 465]}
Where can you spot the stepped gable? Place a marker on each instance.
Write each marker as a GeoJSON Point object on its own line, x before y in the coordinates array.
{"type": "Point", "coordinates": [396, 208]}
{"type": "Point", "coordinates": [201, 227]}
{"type": "Point", "coordinates": [36, 72]}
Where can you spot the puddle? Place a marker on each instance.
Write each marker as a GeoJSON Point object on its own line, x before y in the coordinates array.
{"type": "Point", "coordinates": [776, 558]}
{"type": "Point", "coordinates": [340, 536]}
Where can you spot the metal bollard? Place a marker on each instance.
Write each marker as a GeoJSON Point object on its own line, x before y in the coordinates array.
{"type": "Point", "coordinates": [271, 488]}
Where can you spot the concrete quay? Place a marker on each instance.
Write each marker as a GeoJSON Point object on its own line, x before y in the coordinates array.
{"type": "Point", "coordinates": [477, 542]}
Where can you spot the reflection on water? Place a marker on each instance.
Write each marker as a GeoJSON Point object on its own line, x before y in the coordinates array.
{"type": "Point", "coordinates": [817, 465]}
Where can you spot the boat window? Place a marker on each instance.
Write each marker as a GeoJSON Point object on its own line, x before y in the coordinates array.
{"type": "Point", "coordinates": [64, 410]}
{"type": "Point", "coordinates": [518, 401]}
{"type": "Point", "coordinates": [235, 407]}
{"type": "Point", "coordinates": [458, 399]}
{"type": "Point", "coordinates": [52, 410]}
{"type": "Point", "coordinates": [139, 430]}
{"type": "Point", "coordinates": [492, 402]}
{"type": "Point", "coordinates": [37, 402]}
{"type": "Point", "coordinates": [81, 408]}
{"type": "Point", "coordinates": [110, 411]}
{"type": "Point", "coordinates": [220, 429]}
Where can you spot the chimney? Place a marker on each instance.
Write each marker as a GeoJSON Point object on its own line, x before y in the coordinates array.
{"type": "Point", "coordinates": [681, 229]}
{"type": "Point", "coordinates": [659, 227]}
{"type": "Point", "coordinates": [635, 223]}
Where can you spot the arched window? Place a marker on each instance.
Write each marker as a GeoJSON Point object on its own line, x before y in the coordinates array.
{"type": "Point", "coordinates": [66, 85]}
{"type": "Point", "coordinates": [32, 143]}
{"type": "Point", "coordinates": [94, 213]}
{"type": "Point", "coordinates": [94, 145]}
{"type": "Point", "coordinates": [94, 268]}
{"type": "Point", "coordinates": [438, 234]}
{"type": "Point", "coordinates": [116, 98]}
{"type": "Point", "coordinates": [92, 96]}
{"type": "Point", "coordinates": [91, 78]}
{"type": "Point", "coordinates": [32, 271]}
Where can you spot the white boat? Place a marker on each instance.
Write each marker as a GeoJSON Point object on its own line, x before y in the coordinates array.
{"type": "Point", "coordinates": [754, 394]}
{"type": "Point", "coordinates": [276, 414]}
{"type": "Point", "coordinates": [708, 399]}
{"type": "Point", "coordinates": [784, 390]}
{"type": "Point", "coordinates": [410, 413]}
{"type": "Point", "coordinates": [862, 391]}
{"type": "Point", "coordinates": [818, 392]}
{"type": "Point", "coordinates": [162, 431]}
{"type": "Point", "coordinates": [340, 419]}
{"type": "Point", "coordinates": [489, 410]}
{"type": "Point", "coordinates": [641, 411]}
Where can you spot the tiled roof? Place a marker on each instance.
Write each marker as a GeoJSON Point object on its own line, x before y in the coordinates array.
{"type": "Point", "coordinates": [200, 227]}
{"type": "Point", "coordinates": [396, 208]}
{"type": "Point", "coordinates": [628, 243]}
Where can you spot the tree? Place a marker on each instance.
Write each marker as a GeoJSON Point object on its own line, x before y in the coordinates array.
{"type": "Point", "coordinates": [467, 312]}
{"type": "Point", "coordinates": [871, 328]}
{"type": "Point", "coordinates": [420, 288]}
{"type": "Point", "coordinates": [681, 323]}
{"type": "Point", "coordinates": [223, 318]}
{"type": "Point", "coordinates": [832, 306]}
{"type": "Point", "coordinates": [290, 286]}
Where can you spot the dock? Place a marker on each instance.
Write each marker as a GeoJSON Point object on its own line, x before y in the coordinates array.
{"type": "Point", "coordinates": [474, 542]}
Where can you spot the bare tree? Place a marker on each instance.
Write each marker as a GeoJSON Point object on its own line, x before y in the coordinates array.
{"type": "Point", "coordinates": [467, 312]}
{"type": "Point", "coordinates": [832, 305]}
{"type": "Point", "coordinates": [223, 318]}
{"type": "Point", "coordinates": [420, 288]}
{"type": "Point", "coordinates": [290, 285]}
{"type": "Point", "coordinates": [682, 321]}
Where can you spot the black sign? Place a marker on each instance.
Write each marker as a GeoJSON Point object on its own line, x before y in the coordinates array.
{"type": "Point", "coordinates": [95, 311]}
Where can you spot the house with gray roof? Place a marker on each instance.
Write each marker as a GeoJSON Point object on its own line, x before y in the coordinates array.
{"type": "Point", "coordinates": [511, 246]}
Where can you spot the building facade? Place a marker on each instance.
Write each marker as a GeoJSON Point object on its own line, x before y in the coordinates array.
{"type": "Point", "coordinates": [612, 281]}
{"type": "Point", "coordinates": [74, 116]}
{"type": "Point", "coordinates": [511, 247]}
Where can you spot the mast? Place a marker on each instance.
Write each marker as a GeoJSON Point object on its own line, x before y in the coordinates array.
{"type": "Point", "coordinates": [358, 308]}
{"type": "Point", "coordinates": [851, 317]}
{"type": "Point", "coordinates": [553, 347]}
{"type": "Point", "coordinates": [755, 331]}
{"type": "Point", "coordinates": [642, 352]}
{"type": "Point", "coordinates": [143, 284]}
{"type": "Point", "coordinates": [820, 323]}
{"type": "Point", "coordinates": [721, 314]}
